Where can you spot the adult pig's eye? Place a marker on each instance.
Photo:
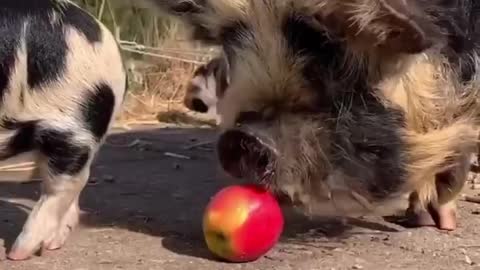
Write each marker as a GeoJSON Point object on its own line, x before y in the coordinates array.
{"type": "Point", "coordinates": [248, 116]}
{"type": "Point", "coordinates": [371, 150]}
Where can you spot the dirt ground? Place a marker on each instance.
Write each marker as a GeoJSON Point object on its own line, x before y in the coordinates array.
{"type": "Point", "coordinates": [143, 208]}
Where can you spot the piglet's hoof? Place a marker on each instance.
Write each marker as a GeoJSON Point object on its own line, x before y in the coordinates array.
{"type": "Point", "coordinates": [19, 254]}
{"type": "Point", "coordinates": [23, 250]}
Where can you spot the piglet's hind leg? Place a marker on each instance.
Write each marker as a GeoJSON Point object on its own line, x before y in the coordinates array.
{"type": "Point", "coordinates": [65, 168]}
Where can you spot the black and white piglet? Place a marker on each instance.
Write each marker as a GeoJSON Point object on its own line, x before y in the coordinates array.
{"type": "Point", "coordinates": [62, 81]}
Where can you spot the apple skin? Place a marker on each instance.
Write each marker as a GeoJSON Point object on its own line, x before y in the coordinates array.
{"type": "Point", "coordinates": [242, 222]}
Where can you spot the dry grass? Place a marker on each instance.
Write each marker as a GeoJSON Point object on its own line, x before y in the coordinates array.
{"type": "Point", "coordinates": [155, 89]}
{"type": "Point", "coordinates": [156, 95]}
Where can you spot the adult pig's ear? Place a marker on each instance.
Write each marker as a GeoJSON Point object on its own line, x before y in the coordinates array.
{"type": "Point", "coordinates": [408, 28]}
{"type": "Point", "coordinates": [395, 26]}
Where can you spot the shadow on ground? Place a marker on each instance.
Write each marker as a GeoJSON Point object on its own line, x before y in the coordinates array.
{"type": "Point", "coordinates": [137, 187]}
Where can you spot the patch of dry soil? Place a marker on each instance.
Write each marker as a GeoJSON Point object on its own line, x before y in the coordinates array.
{"type": "Point", "coordinates": [143, 211]}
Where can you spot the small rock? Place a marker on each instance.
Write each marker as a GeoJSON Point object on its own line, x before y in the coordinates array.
{"type": "Point", "coordinates": [307, 252]}
{"type": "Point", "coordinates": [468, 260]}
{"type": "Point", "coordinates": [374, 239]}
{"type": "Point", "coordinates": [109, 179]}
{"type": "Point", "coordinates": [357, 266]}
{"type": "Point", "coordinates": [177, 166]}
{"type": "Point", "coordinates": [475, 212]}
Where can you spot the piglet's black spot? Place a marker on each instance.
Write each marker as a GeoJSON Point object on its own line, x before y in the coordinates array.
{"type": "Point", "coordinates": [46, 50]}
{"type": "Point", "coordinates": [97, 109]}
{"type": "Point", "coordinates": [45, 38]}
{"type": "Point", "coordinates": [10, 31]}
{"type": "Point", "coordinates": [64, 155]}
{"type": "Point", "coordinates": [22, 139]}
{"type": "Point", "coordinates": [83, 22]}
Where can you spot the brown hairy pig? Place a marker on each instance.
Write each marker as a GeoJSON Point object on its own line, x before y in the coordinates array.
{"type": "Point", "coordinates": [347, 107]}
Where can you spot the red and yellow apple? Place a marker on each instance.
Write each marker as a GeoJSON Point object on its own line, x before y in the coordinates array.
{"type": "Point", "coordinates": [241, 223]}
